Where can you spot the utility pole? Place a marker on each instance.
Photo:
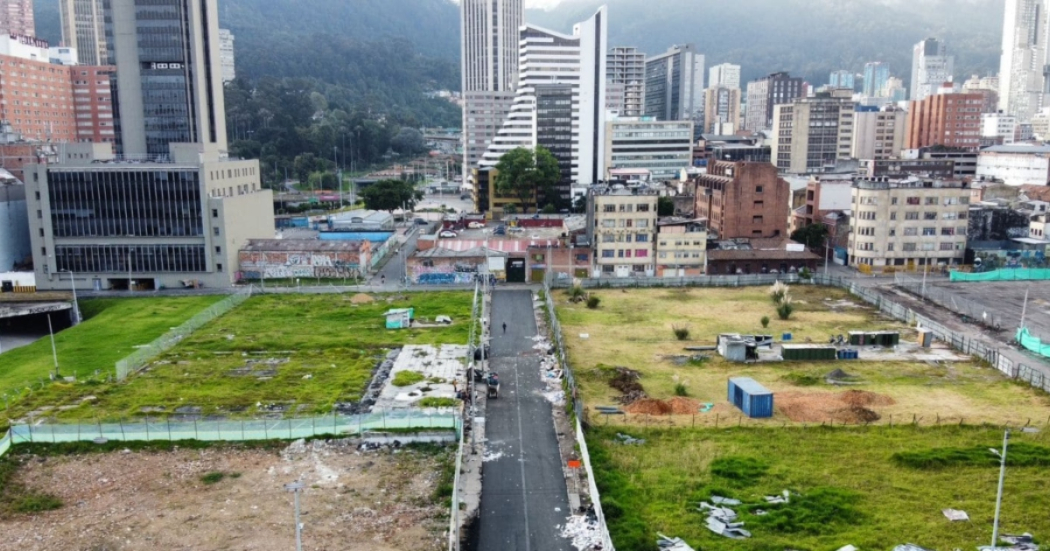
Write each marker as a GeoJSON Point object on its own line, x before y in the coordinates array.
{"type": "Point", "coordinates": [54, 351]}
{"type": "Point", "coordinates": [1024, 308]}
{"type": "Point", "coordinates": [295, 488]}
{"type": "Point", "coordinates": [999, 495]}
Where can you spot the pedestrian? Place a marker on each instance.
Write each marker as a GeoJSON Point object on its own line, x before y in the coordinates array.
{"type": "Point", "coordinates": [504, 328]}
{"type": "Point", "coordinates": [382, 279]}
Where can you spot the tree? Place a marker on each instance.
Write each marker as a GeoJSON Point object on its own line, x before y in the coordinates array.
{"type": "Point", "coordinates": [523, 173]}
{"type": "Point", "coordinates": [408, 141]}
{"type": "Point", "coordinates": [390, 195]}
{"type": "Point", "coordinates": [812, 236]}
{"type": "Point", "coordinates": [665, 206]}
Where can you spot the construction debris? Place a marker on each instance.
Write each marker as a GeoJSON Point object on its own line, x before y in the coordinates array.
{"type": "Point", "coordinates": [909, 547]}
{"type": "Point", "coordinates": [1024, 542]}
{"type": "Point", "coordinates": [629, 440]}
{"type": "Point", "coordinates": [722, 520]}
{"type": "Point", "coordinates": [955, 515]}
{"type": "Point", "coordinates": [672, 544]}
{"type": "Point", "coordinates": [850, 547]}
{"type": "Point", "coordinates": [784, 497]}
{"type": "Point", "coordinates": [584, 532]}
{"type": "Point", "coordinates": [719, 500]}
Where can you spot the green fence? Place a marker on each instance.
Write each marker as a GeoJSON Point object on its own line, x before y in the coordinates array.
{"type": "Point", "coordinates": [1033, 343]}
{"type": "Point", "coordinates": [1014, 274]}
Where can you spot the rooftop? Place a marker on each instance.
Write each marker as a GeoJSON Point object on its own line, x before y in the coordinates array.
{"type": "Point", "coordinates": [884, 183]}
{"type": "Point", "coordinates": [300, 245]}
{"type": "Point", "coordinates": [1019, 148]}
{"type": "Point", "coordinates": [476, 252]}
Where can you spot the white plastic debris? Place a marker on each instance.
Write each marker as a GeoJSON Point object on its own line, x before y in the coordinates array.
{"type": "Point", "coordinates": [672, 544]}
{"type": "Point", "coordinates": [955, 515]}
{"type": "Point", "coordinates": [850, 547]}
{"type": "Point", "coordinates": [583, 531]}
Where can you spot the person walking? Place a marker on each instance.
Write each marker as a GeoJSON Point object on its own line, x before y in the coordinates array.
{"type": "Point", "coordinates": [504, 328]}
{"type": "Point", "coordinates": [382, 279]}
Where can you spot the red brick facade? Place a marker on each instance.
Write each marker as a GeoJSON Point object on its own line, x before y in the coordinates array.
{"type": "Point", "coordinates": [951, 120]}
{"type": "Point", "coordinates": [743, 199]}
{"type": "Point", "coordinates": [93, 102]}
{"type": "Point", "coordinates": [36, 98]}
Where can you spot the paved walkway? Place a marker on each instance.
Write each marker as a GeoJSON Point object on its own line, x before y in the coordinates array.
{"type": "Point", "coordinates": [523, 497]}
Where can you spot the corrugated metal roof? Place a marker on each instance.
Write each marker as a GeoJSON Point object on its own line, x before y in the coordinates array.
{"type": "Point", "coordinates": [1031, 149]}
{"type": "Point", "coordinates": [300, 245]}
{"type": "Point", "coordinates": [502, 245]}
{"type": "Point", "coordinates": [750, 386]}
{"type": "Point", "coordinates": [441, 252]}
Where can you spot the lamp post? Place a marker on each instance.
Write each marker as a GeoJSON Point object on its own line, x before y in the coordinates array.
{"type": "Point", "coordinates": [295, 488]}
{"type": "Point", "coordinates": [76, 305]}
{"type": "Point", "coordinates": [999, 495]}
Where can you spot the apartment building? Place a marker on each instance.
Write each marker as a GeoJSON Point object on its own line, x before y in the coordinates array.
{"type": "Point", "coordinates": [878, 134]}
{"type": "Point", "coordinates": [36, 96]}
{"type": "Point", "coordinates": [681, 246]}
{"type": "Point", "coordinates": [810, 134]}
{"type": "Point", "coordinates": [743, 199]}
{"type": "Point", "coordinates": [626, 74]}
{"type": "Point", "coordinates": [110, 224]}
{"type": "Point", "coordinates": [83, 28]}
{"type": "Point", "coordinates": [16, 18]}
{"type": "Point", "coordinates": [721, 110]}
{"type": "Point", "coordinates": [948, 119]}
{"type": "Point", "coordinates": [621, 226]}
{"type": "Point", "coordinates": [93, 102]}
{"type": "Point", "coordinates": [766, 93]}
{"type": "Point", "coordinates": [664, 148]}
{"type": "Point", "coordinates": [909, 223]}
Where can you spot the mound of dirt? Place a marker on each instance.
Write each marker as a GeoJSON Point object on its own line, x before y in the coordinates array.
{"type": "Point", "coordinates": [649, 406]}
{"type": "Point", "coordinates": [361, 298]}
{"type": "Point", "coordinates": [856, 415]}
{"type": "Point", "coordinates": [865, 399]}
{"type": "Point", "coordinates": [852, 406]}
{"type": "Point", "coordinates": [626, 380]}
{"type": "Point", "coordinates": [632, 397]}
{"type": "Point", "coordinates": [683, 406]}
{"type": "Point", "coordinates": [839, 375]}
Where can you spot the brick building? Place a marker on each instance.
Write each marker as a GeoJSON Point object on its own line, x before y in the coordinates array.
{"type": "Point", "coordinates": [951, 120]}
{"type": "Point", "coordinates": [743, 199]}
{"type": "Point", "coordinates": [36, 97]}
{"type": "Point", "coordinates": [93, 102]}
{"type": "Point", "coordinates": [16, 18]}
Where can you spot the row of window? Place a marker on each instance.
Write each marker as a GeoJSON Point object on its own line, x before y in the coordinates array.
{"type": "Point", "coordinates": [625, 253]}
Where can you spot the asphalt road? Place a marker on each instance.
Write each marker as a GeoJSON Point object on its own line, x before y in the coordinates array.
{"type": "Point", "coordinates": [523, 497]}
{"type": "Point", "coordinates": [394, 270]}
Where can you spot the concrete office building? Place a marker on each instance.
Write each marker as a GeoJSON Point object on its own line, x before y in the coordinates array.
{"type": "Point", "coordinates": [876, 73]}
{"type": "Point", "coordinates": [626, 72]}
{"type": "Point", "coordinates": [721, 110]}
{"type": "Point", "coordinates": [810, 134]}
{"type": "Point", "coordinates": [144, 225]}
{"type": "Point", "coordinates": [554, 116]}
{"type": "Point", "coordinates": [948, 119]}
{"type": "Point", "coordinates": [743, 199]}
{"type": "Point", "coordinates": [16, 18]}
{"type": "Point", "coordinates": [999, 127]}
{"type": "Point", "coordinates": [1015, 165]}
{"type": "Point", "coordinates": [664, 148]}
{"type": "Point", "coordinates": [1022, 78]}
{"type": "Point", "coordinates": [909, 223]}
{"type": "Point", "coordinates": [83, 28]}
{"type": "Point", "coordinates": [551, 58]}
{"type": "Point", "coordinates": [764, 94]}
{"type": "Point", "coordinates": [726, 74]}
{"type": "Point", "coordinates": [681, 247]}
{"type": "Point", "coordinates": [842, 79]}
{"type": "Point", "coordinates": [169, 74]}
{"type": "Point", "coordinates": [674, 84]}
{"type": "Point", "coordinates": [489, 53]}
{"type": "Point", "coordinates": [878, 134]}
{"type": "Point", "coordinates": [229, 65]}
{"type": "Point", "coordinates": [931, 67]}
{"type": "Point", "coordinates": [621, 224]}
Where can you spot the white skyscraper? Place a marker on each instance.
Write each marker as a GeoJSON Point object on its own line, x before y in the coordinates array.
{"type": "Point", "coordinates": [548, 59]}
{"type": "Point", "coordinates": [489, 52]}
{"type": "Point", "coordinates": [931, 66]}
{"type": "Point", "coordinates": [726, 75]}
{"type": "Point", "coordinates": [1022, 84]}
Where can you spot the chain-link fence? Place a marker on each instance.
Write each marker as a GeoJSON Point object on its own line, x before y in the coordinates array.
{"type": "Point", "coordinates": [972, 311]}
{"type": "Point", "coordinates": [743, 280]}
{"type": "Point", "coordinates": [139, 358]}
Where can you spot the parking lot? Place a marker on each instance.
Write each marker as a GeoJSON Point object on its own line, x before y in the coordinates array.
{"type": "Point", "coordinates": [1002, 301]}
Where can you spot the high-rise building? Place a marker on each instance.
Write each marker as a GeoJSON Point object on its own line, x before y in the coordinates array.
{"type": "Point", "coordinates": [169, 74]}
{"type": "Point", "coordinates": [931, 66]}
{"type": "Point", "coordinates": [894, 90]}
{"type": "Point", "coordinates": [726, 74]}
{"type": "Point", "coordinates": [875, 75]}
{"type": "Point", "coordinates": [948, 119]}
{"type": "Point", "coordinates": [554, 112]}
{"type": "Point", "coordinates": [229, 68]}
{"type": "Point", "coordinates": [551, 58]}
{"type": "Point", "coordinates": [36, 97]}
{"type": "Point", "coordinates": [663, 148]}
{"type": "Point", "coordinates": [674, 84]}
{"type": "Point", "coordinates": [721, 110]}
{"type": "Point", "coordinates": [878, 134]}
{"type": "Point", "coordinates": [489, 52]}
{"type": "Point", "coordinates": [92, 94]}
{"type": "Point", "coordinates": [626, 70]}
{"type": "Point", "coordinates": [810, 134]}
{"type": "Point", "coordinates": [765, 93]}
{"type": "Point", "coordinates": [83, 28]}
{"type": "Point", "coordinates": [16, 18]}
{"type": "Point", "coordinates": [842, 79]}
{"type": "Point", "coordinates": [1022, 84]}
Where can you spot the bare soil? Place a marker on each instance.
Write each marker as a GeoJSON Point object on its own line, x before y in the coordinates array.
{"type": "Point", "coordinates": [851, 407]}
{"type": "Point", "coordinates": [377, 500]}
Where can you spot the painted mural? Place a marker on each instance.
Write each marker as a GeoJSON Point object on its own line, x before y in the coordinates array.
{"type": "Point", "coordinates": [286, 265]}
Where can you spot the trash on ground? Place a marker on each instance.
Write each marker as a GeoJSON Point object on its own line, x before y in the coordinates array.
{"type": "Point", "coordinates": [955, 515]}
{"type": "Point", "coordinates": [909, 547]}
{"type": "Point", "coordinates": [1023, 542]}
{"type": "Point", "coordinates": [629, 440]}
{"type": "Point", "coordinates": [672, 544]}
{"type": "Point", "coordinates": [722, 520]}
{"type": "Point", "coordinates": [442, 319]}
{"type": "Point", "coordinates": [784, 497]}
{"type": "Point", "coordinates": [584, 532]}
{"type": "Point", "coordinates": [706, 407]}
{"type": "Point", "coordinates": [719, 500]}
{"type": "Point", "coordinates": [850, 547]}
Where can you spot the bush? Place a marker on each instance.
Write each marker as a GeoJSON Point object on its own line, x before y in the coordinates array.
{"type": "Point", "coordinates": [593, 302]}
{"type": "Point", "coordinates": [784, 310]}
{"type": "Point", "coordinates": [816, 512]}
{"type": "Point", "coordinates": [213, 477]}
{"type": "Point", "coordinates": [765, 321]}
{"type": "Point", "coordinates": [407, 378]}
{"type": "Point", "coordinates": [743, 470]}
{"type": "Point", "coordinates": [778, 292]}
{"type": "Point", "coordinates": [576, 294]}
{"type": "Point", "coordinates": [435, 402]}
{"type": "Point", "coordinates": [804, 274]}
{"type": "Point", "coordinates": [1019, 455]}
{"type": "Point", "coordinates": [681, 332]}
{"type": "Point", "coordinates": [680, 390]}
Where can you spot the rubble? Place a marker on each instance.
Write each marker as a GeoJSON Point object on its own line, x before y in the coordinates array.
{"type": "Point", "coordinates": [584, 532]}
{"type": "Point", "coordinates": [784, 497]}
{"type": "Point", "coordinates": [722, 520]}
{"type": "Point", "coordinates": [1023, 542]}
{"type": "Point", "coordinates": [629, 440]}
{"type": "Point", "coordinates": [672, 544]}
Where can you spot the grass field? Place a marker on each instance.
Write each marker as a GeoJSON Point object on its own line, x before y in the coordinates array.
{"type": "Point", "coordinates": [111, 330]}
{"type": "Point", "coordinates": [300, 352]}
{"type": "Point", "coordinates": [634, 329]}
{"type": "Point", "coordinates": [851, 491]}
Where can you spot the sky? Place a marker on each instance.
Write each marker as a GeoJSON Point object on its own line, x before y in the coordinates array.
{"type": "Point", "coordinates": [545, 4]}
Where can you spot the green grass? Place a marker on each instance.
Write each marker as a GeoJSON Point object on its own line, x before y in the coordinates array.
{"type": "Point", "coordinates": [111, 330]}
{"type": "Point", "coordinates": [848, 487]}
{"type": "Point", "coordinates": [213, 477]}
{"type": "Point", "coordinates": [435, 402]}
{"type": "Point", "coordinates": [407, 378]}
{"type": "Point", "coordinates": [324, 349]}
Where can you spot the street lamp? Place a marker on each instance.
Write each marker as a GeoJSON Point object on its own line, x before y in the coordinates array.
{"type": "Point", "coordinates": [1002, 476]}
{"type": "Point", "coordinates": [295, 488]}
{"type": "Point", "coordinates": [76, 305]}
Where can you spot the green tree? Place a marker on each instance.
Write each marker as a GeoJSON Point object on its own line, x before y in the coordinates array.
{"type": "Point", "coordinates": [812, 236]}
{"type": "Point", "coordinates": [390, 195]}
{"type": "Point", "coordinates": [665, 206]}
{"type": "Point", "coordinates": [524, 173]}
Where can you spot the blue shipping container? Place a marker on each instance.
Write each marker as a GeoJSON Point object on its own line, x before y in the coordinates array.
{"type": "Point", "coordinates": [753, 399]}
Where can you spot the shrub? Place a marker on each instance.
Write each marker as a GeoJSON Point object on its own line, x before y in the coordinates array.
{"type": "Point", "coordinates": [778, 292]}
{"type": "Point", "coordinates": [1019, 455]}
{"type": "Point", "coordinates": [784, 310]}
{"type": "Point", "coordinates": [681, 332]}
{"type": "Point", "coordinates": [576, 294]}
{"type": "Point", "coordinates": [593, 302]}
{"type": "Point", "coordinates": [816, 512]}
{"type": "Point", "coordinates": [680, 390]}
{"type": "Point", "coordinates": [407, 378]}
{"type": "Point", "coordinates": [804, 274]}
{"type": "Point", "coordinates": [435, 402]}
{"type": "Point", "coordinates": [765, 321]}
{"type": "Point", "coordinates": [213, 477]}
{"type": "Point", "coordinates": [743, 470]}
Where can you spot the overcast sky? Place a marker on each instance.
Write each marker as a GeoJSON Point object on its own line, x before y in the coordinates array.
{"type": "Point", "coordinates": [541, 3]}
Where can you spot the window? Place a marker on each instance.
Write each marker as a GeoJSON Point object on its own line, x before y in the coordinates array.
{"type": "Point", "coordinates": [947, 246]}
{"type": "Point", "coordinates": [947, 231]}
{"type": "Point", "coordinates": [913, 200]}
{"type": "Point", "coordinates": [911, 216]}
{"type": "Point", "coordinates": [756, 219]}
{"type": "Point", "coordinates": [641, 253]}
{"type": "Point", "coordinates": [893, 216]}
{"type": "Point", "coordinates": [909, 246]}
{"type": "Point", "coordinates": [214, 213]}
{"type": "Point", "coordinates": [893, 201]}
{"type": "Point", "coordinates": [911, 232]}
{"type": "Point", "coordinates": [643, 207]}
{"type": "Point", "coordinates": [929, 231]}
{"type": "Point", "coordinates": [609, 208]}
{"type": "Point", "coordinates": [931, 200]}
{"type": "Point", "coordinates": [641, 238]}
{"type": "Point", "coordinates": [642, 223]}
{"type": "Point", "coordinates": [608, 238]}
{"type": "Point", "coordinates": [929, 216]}
{"type": "Point", "coordinates": [608, 254]}
{"type": "Point", "coordinates": [889, 247]}
{"type": "Point", "coordinates": [619, 253]}
{"type": "Point", "coordinates": [758, 189]}
{"type": "Point", "coordinates": [663, 255]}
{"type": "Point", "coordinates": [215, 231]}
{"type": "Point", "coordinates": [607, 223]}
{"type": "Point", "coordinates": [759, 204]}
{"type": "Point", "coordinates": [218, 267]}
{"type": "Point", "coordinates": [218, 250]}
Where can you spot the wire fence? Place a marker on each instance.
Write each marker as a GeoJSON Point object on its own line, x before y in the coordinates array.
{"type": "Point", "coordinates": [139, 358]}
{"type": "Point", "coordinates": [743, 280]}
{"type": "Point", "coordinates": [235, 430]}
{"type": "Point", "coordinates": [971, 311]}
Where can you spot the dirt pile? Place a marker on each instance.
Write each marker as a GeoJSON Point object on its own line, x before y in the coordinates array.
{"type": "Point", "coordinates": [865, 399]}
{"type": "Point", "coordinates": [852, 407]}
{"type": "Point", "coordinates": [361, 298]}
{"type": "Point", "coordinates": [649, 406]}
{"type": "Point", "coordinates": [626, 381]}
{"type": "Point", "coordinates": [683, 406]}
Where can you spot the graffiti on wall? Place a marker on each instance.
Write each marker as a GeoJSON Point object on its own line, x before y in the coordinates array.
{"type": "Point", "coordinates": [287, 265]}
{"type": "Point", "coordinates": [444, 274]}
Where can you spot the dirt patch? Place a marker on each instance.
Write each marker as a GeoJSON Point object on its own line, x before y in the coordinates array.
{"type": "Point", "coordinates": [378, 500]}
{"type": "Point", "coordinates": [649, 406]}
{"type": "Point", "coordinates": [852, 407]}
{"type": "Point", "coordinates": [626, 380]}
{"type": "Point", "coordinates": [361, 298]}
{"type": "Point", "coordinates": [683, 406]}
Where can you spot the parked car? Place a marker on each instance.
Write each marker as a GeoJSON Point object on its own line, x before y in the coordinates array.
{"type": "Point", "coordinates": [516, 229]}
{"type": "Point", "coordinates": [421, 222]}
{"type": "Point", "coordinates": [500, 230]}
{"type": "Point", "coordinates": [464, 197]}
{"type": "Point", "coordinates": [476, 225]}
{"type": "Point", "coordinates": [447, 233]}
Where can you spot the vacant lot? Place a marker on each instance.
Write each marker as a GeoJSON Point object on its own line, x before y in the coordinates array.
{"type": "Point", "coordinates": [634, 329]}
{"type": "Point", "coordinates": [273, 355]}
{"type": "Point", "coordinates": [848, 488]}
{"type": "Point", "coordinates": [111, 330]}
{"type": "Point", "coordinates": [234, 498]}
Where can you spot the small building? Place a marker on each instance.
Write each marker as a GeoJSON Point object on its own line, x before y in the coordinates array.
{"type": "Point", "coordinates": [807, 352]}
{"type": "Point", "coordinates": [755, 400]}
{"type": "Point", "coordinates": [304, 258]}
{"type": "Point", "coordinates": [681, 246]}
{"type": "Point", "coordinates": [441, 266]}
{"type": "Point", "coordinates": [759, 256]}
{"type": "Point", "coordinates": [399, 318]}
{"type": "Point", "coordinates": [361, 220]}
